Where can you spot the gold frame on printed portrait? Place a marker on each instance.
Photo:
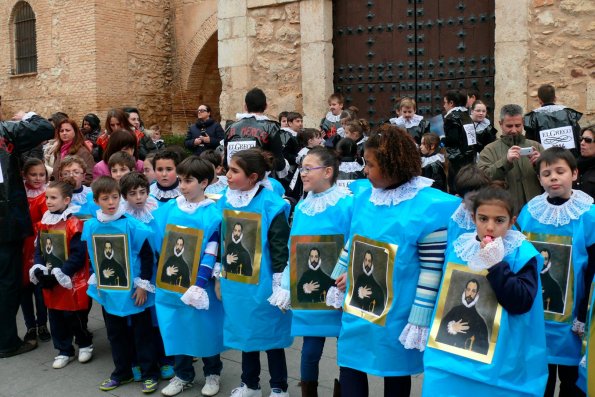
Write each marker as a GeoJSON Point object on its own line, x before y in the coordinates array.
{"type": "Point", "coordinates": [186, 231]}
{"type": "Point", "coordinates": [123, 237]}
{"type": "Point", "coordinates": [249, 216]}
{"type": "Point", "coordinates": [484, 358]}
{"type": "Point", "coordinates": [61, 233]}
{"type": "Point", "coordinates": [569, 299]}
{"type": "Point", "coordinates": [338, 239]}
{"type": "Point", "coordinates": [391, 252]}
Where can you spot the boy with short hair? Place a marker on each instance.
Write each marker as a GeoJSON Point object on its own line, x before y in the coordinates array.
{"type": "Point", "coordinates": [148, 169]}
{"type": "Point", "coordinates": [166, 186]}
{"type": "Point", "coordinates": [120, 164]}
{"type": "Point", "coordinates": [219, 183]}
{"type": "Point", "coordinates": [122, 260]}
{"type": "Point", "coordinates": [415, 124]}
{"type": "Point", "coordinates": [332, 121]}
{"type": "Point", "coordinates": [283, 118]}
{"type": "Point", "coordinates": [552, 222]}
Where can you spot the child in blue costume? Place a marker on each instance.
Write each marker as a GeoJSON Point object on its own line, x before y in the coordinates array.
{"type": "Point", "coordinates": [253, 255]}
{"type": "Point", "coordinates": [551, 221]}
{"type": "Point", "coordinates": [73, 167]}
{"type": "Point", "coordinates": [190, 315]}
{"type": "Point", "coordinates": [167, 185]}
{"type": "Point", "coordinates": [464, 354]}
{"type": "Point", "coordinates": [219, 183]}
{"type": "Point", "coordinates": [467, 182]}
{"type": "Point", "coordinates": [122, 258]}
{"type": "Point", "coordinates": [395, 250]}
{"type": "Point", "coordinates": [326, 212]}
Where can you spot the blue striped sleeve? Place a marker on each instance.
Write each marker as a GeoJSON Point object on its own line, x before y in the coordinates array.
{"type": "Point", "coordinates": [342, 262]}
{"type": "Point", "coordinates": [205, 271]}
{"type": "Point", "coordinates": [431, 260]}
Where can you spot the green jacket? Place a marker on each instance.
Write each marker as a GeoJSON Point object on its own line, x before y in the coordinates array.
{"type": "Point", "coordinates": [520, 176]}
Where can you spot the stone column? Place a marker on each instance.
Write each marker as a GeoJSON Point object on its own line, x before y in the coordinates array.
{"type": "Point", "coordinates": [316, 18]}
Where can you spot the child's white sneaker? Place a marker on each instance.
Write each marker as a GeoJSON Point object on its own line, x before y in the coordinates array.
{"type": "Point", "coordinates": [211, 386]}
{"type": "Point", "coordinates": [85, 354]}
{"type": "Point", "coordinates": [61, 361]}
{"type": "Point", "coordinates": [244, 391]}
{"type": "Point", "coordinates": [278, 393]}
{"type": "Point", "coordinates": [175, 386]}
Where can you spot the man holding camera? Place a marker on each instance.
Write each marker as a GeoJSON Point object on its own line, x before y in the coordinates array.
{"type": "Point", "coordinates": [511, 158]}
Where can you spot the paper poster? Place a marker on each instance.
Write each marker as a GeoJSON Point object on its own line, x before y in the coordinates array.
{"type": "Point", "coordinates": [237, 146]}
{"type": "Point", "coordinates": [470, 132]}
{"type": "Point", "coordinates": [561, 136]}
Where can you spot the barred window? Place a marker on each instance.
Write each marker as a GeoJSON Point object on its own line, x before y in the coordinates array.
{"type": "Point", "coordinates": [24, 38]}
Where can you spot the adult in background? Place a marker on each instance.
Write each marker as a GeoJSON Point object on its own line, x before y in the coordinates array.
{"type": "Point", "coordinates": [70, 141]}
{"type": "Point", "coordinates": [586, 161]}
{"type": "Point", "coordinates": [116, 119]}
{"type": "Point", "coordinates": [15, 222]}
{"type": "Point", "coordinates": [91, 129]}
{"type": "Point", "coordinates": [205, 134]}
{"type": "Point", "coordinates": [511, 158]}
{"type": "Point", "coordinates": [145, 144]}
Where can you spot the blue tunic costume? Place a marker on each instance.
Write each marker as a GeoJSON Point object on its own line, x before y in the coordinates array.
{"type": "Point", "coordinates": [460, 222]}
{"type": "Point", "coordinates": [518, 365]}
{"type": "Point", "coordinates": [400, 218]}
{"type": "Point", "coordinates": [323, 214]}
{"type": "Point", "coordinates": [551, 227]}
{"type": "Point", "coordinates": [251, 323]}
{"type": "Point", "coordinates": [185, 329]}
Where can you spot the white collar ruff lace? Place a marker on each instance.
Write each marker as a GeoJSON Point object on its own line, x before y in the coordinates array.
{"type": "Point", "coordinates": [51, 219]}
{"type": "Point", "coordinates": [549, 108]}
{"type": "Point", "coordinates": [144, 214]}
{"type": "Point", "coordinates": [332, 118]}
{"type": "Point", "coordinates": [558, 215]}
{"type": "Point", "coordinates": [315, 203]}
{"type": "Point", "coordinates": [292, 132]}
{"type": "Point", "coordinates": [425, 161]}
{"type": "Point", "coordinates": [32, 193]}
{"type": "Point", "coordinates": [399, 194]}
{"type": "Point", "coordinates": [463, 217]}
{"type": "Point", "coordinates": [104, 218]}
{"type": "Point", "coordinates": [350, 166]}
{"type": "Point", "coordinates": [482, 125]}
{"type": "Point", "coordinates": [217, 187]}
{"type": "Point", "coordinates": [241, 198]}
{"type": "Point", "coordinates": [457, 108]}
{"type": "Point", "coordinates": [467, 246]}
{"type": "Point", "coordinates": [164, 194]}
{"type": "Point", "coordinates": [81, 197]}
{"type": "Point", "coordinates": [472, 303]}
{"type": "Point", "coordinates": [190, 208]}
{"type": "Point", "coordinates": [407, 123]}
{"type": "Point", "coordinates": [259, 117]}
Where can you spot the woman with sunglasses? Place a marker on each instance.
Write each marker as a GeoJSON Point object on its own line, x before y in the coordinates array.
{"type": "Point", "coordinates": [586, 161]}
{"type": "Point", "coordinates": [205, 134]}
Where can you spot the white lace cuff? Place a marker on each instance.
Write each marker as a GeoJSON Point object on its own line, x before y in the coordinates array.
{"type": "Point", "coordinates": [335, 298]}
{"type": "Point", "coordinates": [414, 337]}
{"type": "Point", "coordinates": [583, 362]}
{"type": "Point", "coordinates": [196, 297]}
{"type": "Point", "coordinates": [62, 278]}
{"type": "Point", "coordinates": [578, 327]}
{"type": "Point", "coordinates": [280, 297]}
{"type": "Point", "coordinates": [488, 256]}
{"type": "Point", "coordinates": [144, 284]}
{"type": "Point", "coordinates": [92, 280]}
{"type": "Point", "coordinates": [217, 271]}
{"type": "Point", "coordinates": [32, 277]}
{"type": "Point", "coordinates": [277, 278]}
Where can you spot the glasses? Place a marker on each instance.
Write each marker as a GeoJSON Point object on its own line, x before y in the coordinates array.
{"type": "Point", "coordinates": [71, 173]}
{"type": "Point", "coordinates": [306, 170]}
{"type": "Point", "coordinates": [202, 110]}
{"type": "Point", "coordinates": [586, 139]}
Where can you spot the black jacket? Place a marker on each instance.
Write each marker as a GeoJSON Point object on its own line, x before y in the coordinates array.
{"type": "Point", "coordinates": [455, 138]}
{"type": "Point", "coordinates": [15, 139]}
{"type": "Point", "coordinates": [553, 116]}
{"type": "Point", "coordinates": [586, 175]}
{"type": "Point", "coordinates": [202, 128]}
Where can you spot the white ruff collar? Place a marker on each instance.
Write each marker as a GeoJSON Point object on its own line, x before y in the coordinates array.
{"type": "Point", "coordinates": [258, 117]}
{"type": "Point", "coordinates": [292, 132]}
{"type": "Point", "coordinates": [425, 161]}
{"type": "Point", "coordinates": [467, 246]}
{"type": "Point", "coordinates": [103, 218]}
{"type": "Point", "coordinates": [190, 208]}
{"type": "Point", "coordinates": [482, 125]}
{"type": "Point", "coordinates": [546, 268]}
{"type": "Point", "coordinates": [315, 203]}
{"type": "Point", "coordinates": [351, 166]}
{"type": "Point", "coordinates": [457, 108]}
{"type": "Point", "coordinates": [81, 197]}
{"type": "Point", "coordinates": [473, 302]}
{"type": "Point", "coordinates": [463, 217]}
{"type": "Point", "coordinates": [164, 194]}
{"type": "Point", "coordinates": [407, 123]}
{"type": "Point", "coordinates": [240, 198]}
{"type": "Point", "coordinates": [51, 219]}
{"type": "Point", "coordinates": [367, 273]}
{"type": "Point", "coordinates": [549, 108]}
{"type": "Point", "coordinates": [558, 215]}
{"type": "Point", "coordinates": [402, 193]}
{"type": "Point", "coordinates": [238, 240]}
{"type": "Point", "coordinates": [266, 183]}
{"type": "Point", "coordinates": [315, 268]}
{"type": "Point", "coordinates": [32, 193]}
{"type": "Point", "coordinates": [144, 214]}
{"type": "Point", "coordinates": [332, 118]}
{"type": "Point", "coordinates": [217, 187]}
{"type": "Point", "coordinates": [178, 254]}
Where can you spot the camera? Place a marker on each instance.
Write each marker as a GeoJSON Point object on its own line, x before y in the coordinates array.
{"type": "Point", "coordinates": [526, 151]}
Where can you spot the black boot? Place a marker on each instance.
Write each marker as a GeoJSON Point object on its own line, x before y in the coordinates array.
{"type": "Point", "coordinates": [337, 389]}
{"type": "Point", "coordinates": [309, 388]}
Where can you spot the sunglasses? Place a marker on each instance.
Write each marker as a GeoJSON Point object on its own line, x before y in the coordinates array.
{"type": "Point", "coordinates": [586, 139]}
{"type": "Point", "coordinates": [202, 110]}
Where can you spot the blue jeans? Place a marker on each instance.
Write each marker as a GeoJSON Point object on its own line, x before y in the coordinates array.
{"type": "Point", "coordinates": [354, 383]}
{"type": "Point", "coordinates": [311, 354]}
{"type": "Point", "coordinates": [184, 368]}
{"type": "Point", "coordinates": [66, 325]}
{"type": "Point", "coordinates": [277, 368]}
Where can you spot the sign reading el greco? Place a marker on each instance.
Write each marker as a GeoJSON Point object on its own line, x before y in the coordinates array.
{"type": "Point", "coordinates": [112, 259]}
{"type": "Point", "coordinates": [370, 279]}
{"type": "Point", "coordinates": [242, 246]}
{"type": "Point", "coordinates": [467, 319]}
{"type": "Point", "coordinates": [179, 259]}
{"type": "Point", "coordinates": [557, 277]}
{"type": "Point", "coordinates": [53, 248]}
{"type": "Point", "coordinates": [312, 260]}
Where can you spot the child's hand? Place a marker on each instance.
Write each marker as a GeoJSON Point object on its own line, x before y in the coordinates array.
{"type": "Point", "coordinates": [139, 296]}
{"type": "Point", "coordinates": [218, 289]}
{"type": "Point", "coordinates": [341, 282]}
{"type": "Point", "coordinates": [485, 241]}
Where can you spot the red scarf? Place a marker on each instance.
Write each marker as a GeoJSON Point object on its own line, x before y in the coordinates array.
{"type": "Point", "coordinates": [64, 149]}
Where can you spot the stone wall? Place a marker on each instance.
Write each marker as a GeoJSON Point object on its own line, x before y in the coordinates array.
{"type": "Point", "coordinates": [561, 53]}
